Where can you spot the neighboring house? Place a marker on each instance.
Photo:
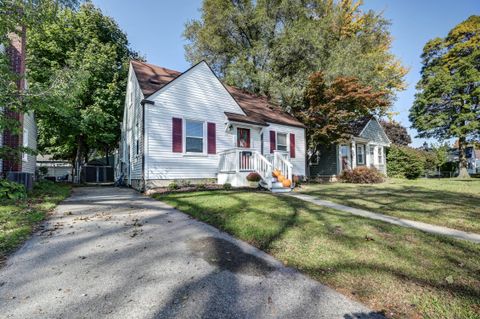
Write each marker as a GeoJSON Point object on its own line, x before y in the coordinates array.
{"type": "Point", "coordinates": [189, 126]}
{"type": "Point", "coordinates": [472, 155]}
{"type": "Point", "coordinates": [22, 170]}
{"type": "Point", "coordinates": [366, 147]}
{"type": "Point", "coordinates": [56, 168]}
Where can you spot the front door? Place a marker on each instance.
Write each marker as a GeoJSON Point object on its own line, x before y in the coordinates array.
{"type": "Point", "coordinates": [345, 157]}
{"type": "Point", "coordinates": [243, 137]}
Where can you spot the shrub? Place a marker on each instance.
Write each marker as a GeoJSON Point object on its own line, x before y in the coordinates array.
{"type": "Point", "coordinates": [403, 161]}
{"type": "Point", "coordinates": [297, 180]}
{"type": "Point", "coordinates": [227, 186]}
{"type": "Point", "coordinates": [12, 190]}
{"type": "Point", "coordinates": [201, 186]}
{"type": "Point", "coordinates": [173, 186]}
{"type": "Point", "coordinates": [362, 175]}
{"type": "Point", "coordinates": [254, 177]}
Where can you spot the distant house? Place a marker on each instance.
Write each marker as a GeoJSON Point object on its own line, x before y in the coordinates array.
{"type": "Point", "coordinates": [190, 127]}
{"type": "Point", "coordinates": [22, 170]}
{"type": "Point", "coordinates": [473, 158]}
{"type": "Point", "coordinates": [366, 147]}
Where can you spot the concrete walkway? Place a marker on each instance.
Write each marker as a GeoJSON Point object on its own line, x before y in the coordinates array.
{"type": "Point", "coordinates": [113, 253]}
{"type": "Point", "coordinates": [439, 230]}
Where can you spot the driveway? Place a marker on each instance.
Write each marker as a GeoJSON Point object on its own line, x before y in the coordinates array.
{"type": "Point", "coordinates": [114, 253]}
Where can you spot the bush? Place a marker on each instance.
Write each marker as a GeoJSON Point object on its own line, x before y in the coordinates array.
{"type": "Point", "coordinates": [297, 179]}
{"type": "Point", "coordinates": [12, 190]}
{"type": "Point", "coordinates": [202, 186]}
{"type": "Point", "coordinates": [362, 175]}
{"type": "Point", "coordinates": [227, 186]}
{"type": "Point", "coordinates": [404, 161]}
{"type": "Point", "coordinates": [254, 177]}
{"type": "Point", "coordinates": [173, 186]}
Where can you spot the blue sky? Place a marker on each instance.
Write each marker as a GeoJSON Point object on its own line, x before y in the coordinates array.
{"type": "Point", "coordinates": [155, 28]}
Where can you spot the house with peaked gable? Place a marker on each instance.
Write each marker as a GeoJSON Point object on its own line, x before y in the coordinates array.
{"type": "Point", "coordinates": [366, 147]}
{"type": "Point", "coordinates": [190, 126]}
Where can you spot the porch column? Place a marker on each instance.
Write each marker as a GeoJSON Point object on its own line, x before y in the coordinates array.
{"type": "Point", "coordinates": [339, 159]}
{"type": "Point", "coordinates": [367, 155]}
{"type": "Point", "coordinates": [354, 154]}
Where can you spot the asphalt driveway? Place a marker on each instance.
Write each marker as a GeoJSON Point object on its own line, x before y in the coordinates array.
{"type": "Point", "coordinates": [114, 253]}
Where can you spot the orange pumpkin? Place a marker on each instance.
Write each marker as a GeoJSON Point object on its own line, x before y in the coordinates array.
{"type": "Point", "coordinates": [281, 178]}
{"type": "Point", "coordinates": [276, 173]}
{"type": "Point", "coordinates": [287, 183]}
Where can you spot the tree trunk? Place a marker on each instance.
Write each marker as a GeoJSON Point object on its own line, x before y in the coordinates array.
{"type": "Point", "coordinates": [462, 165]}
{"type": "Point", "coordinates": [78, 159]}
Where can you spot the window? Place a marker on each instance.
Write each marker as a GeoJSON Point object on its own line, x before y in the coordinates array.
{"type": "Point", "coordinates": [281, 141]}
{"type": "Point", "coordinates": [315, 159]}
{"type": "Point", "coordinates": [25, 144]}
{"type": "Point", "coordinates": [193, 136]}
{"type": "Point", "coordinates": [361, 154]}
{"type": "Point", "coordinates": [380, 155]}
{"type": "Point", "coordinates": [372, 151]}
{"type": "Point", "coordinates": [243, 137]}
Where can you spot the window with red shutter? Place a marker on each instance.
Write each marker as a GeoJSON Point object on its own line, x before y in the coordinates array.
{"type": "Point", "coordinates": [292, 145]}
{"type": "Point", "coordinates": [212, 138]}
{"type": "Point", "coordinates": [273, 146]}
{"type": "Point", "coordinates": [177, 132]}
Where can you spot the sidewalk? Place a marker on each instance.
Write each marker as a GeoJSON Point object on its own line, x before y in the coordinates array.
{"type": "Point", "coordinates": [438, 230]}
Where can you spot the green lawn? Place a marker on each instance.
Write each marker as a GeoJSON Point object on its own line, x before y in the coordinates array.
{"type": "Point", "coordinates": [18, 218]}
{"type": "Point", "coordinates": [445, 202]}
{"type": "Point", "coordinates": [401, 271]}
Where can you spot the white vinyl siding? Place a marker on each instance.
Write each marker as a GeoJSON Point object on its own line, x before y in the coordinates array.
{"type": "Point", "coordinates": [132, 140]}
{"type": "Point", "coordinates": [299, 161]}
{"type": "Point", "coordinates": [29, 140]}
{"type": "Point", "coordinates": [196, 95]}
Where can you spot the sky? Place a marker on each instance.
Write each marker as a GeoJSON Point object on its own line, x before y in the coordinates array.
{"type": "Point", "coordinates": [155, 27]}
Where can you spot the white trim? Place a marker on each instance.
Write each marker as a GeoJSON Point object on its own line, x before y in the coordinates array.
{"type": "Point", "coordinates": [25, 144]}
{"type": "Point", "coordinates": [362, 148]}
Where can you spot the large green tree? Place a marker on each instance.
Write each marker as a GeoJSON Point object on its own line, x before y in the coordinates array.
{"type": "Point", "coordinates": [396, 132]}
{"type": "Point", "coordinates": [272, 46]}
{"type": "Point", "coordinates": [17, 17]}
{"type": "Point", "coordinates": [86, 55]}
{"type": "Point", "coordinates": [447, 102]}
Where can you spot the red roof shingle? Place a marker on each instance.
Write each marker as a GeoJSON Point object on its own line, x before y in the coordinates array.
{"type": "Point", "coordinates": [258, 109]}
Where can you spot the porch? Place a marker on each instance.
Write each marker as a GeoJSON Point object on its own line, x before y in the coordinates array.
{"type": "Point", "coordinates": [235, 164]}
{"type": "Point", "coordinates": [361, 152]}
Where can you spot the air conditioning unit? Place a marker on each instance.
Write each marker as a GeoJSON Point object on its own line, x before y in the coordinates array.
{"type": "Point", "coordinates": [23, 178]}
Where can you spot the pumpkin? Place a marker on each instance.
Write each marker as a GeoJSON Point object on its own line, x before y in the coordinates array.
{"type": "Point", "coordinates": [276, 173]}
{"type": "Point", "coordinates": [281, 178]}
{"type": "Point", "coordinates": [286, 183]}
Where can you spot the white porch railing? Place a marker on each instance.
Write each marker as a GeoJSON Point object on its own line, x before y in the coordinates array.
{"type": "Point", "coordinates": [238, 160]}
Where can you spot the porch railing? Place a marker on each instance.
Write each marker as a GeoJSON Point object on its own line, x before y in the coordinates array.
{"type": "Point", "coordinates": [280, 162]}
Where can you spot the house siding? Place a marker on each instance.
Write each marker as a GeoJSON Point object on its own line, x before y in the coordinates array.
{"type": "Point", "coordinates": [29, 165]}
{"type": "Point", "coordinates": [327, 162]}
{"type": "Point", "coordinates": [299, 160]}
{"type": "Point", "coordinates": [196, 95]}
{"type": "Point", "coordinates": [132, 115]}
{"type": "Point", "coordinates": [374, 132]}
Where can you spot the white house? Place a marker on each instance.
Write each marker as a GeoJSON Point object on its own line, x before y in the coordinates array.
{"type": "Point", "coordinates": [189, 126]}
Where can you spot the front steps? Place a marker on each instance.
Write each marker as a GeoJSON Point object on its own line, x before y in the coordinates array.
{"type": "Point", "coordinates": [277, 187]}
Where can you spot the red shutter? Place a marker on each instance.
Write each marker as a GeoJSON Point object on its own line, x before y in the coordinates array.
{"type": "Point", "coordinates": [177, 133]}
{"type": "Point", "coordinates": [292, 145]}
{"type": "Point", "coordinates": [212, 138]}
{"type": "Point", "coordinates": [273, 145]}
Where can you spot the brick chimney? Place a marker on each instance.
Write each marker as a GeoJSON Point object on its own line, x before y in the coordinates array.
{"type": "Point", "coordinates": [16, 51]}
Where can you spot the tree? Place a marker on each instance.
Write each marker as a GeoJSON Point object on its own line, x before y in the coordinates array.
{"type": "Point", "coordinates": [17, 17]}
{"type": "Point", "coordinates": [329, 109]}
{"type": "Point", "coordinates": [447, 102]}
{"type": "Point", "coordinates": [272, 47]}
{"type": "Point", "coordinates": [87, 55]}
{"type": "Point", "coordinates": [397, 133]}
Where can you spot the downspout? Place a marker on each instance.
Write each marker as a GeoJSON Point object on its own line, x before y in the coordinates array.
{"type": "Point", "coordinates": [143, 102]}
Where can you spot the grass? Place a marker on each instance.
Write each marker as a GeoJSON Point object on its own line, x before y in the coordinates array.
{"type": "Point", "coordinates": [401, 271]}
{"type": "Point", "coordinates": [445, 202]}
{"type": "Point", "coordinates": [18, 218]}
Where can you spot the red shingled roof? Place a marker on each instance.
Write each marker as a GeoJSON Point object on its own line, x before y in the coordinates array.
{"type": "Point", "coordinates": [258, 109]}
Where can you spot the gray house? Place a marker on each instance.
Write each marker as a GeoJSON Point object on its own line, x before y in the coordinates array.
{"type": "Point", "coordinates": [366, 147]}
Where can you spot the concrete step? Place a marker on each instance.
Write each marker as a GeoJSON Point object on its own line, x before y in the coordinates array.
{"type": "Point", "coordinates": [281, 190]}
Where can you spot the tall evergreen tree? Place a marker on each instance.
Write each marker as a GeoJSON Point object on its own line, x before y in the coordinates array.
{"type": "Point", "coordinates": [447, 102]}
